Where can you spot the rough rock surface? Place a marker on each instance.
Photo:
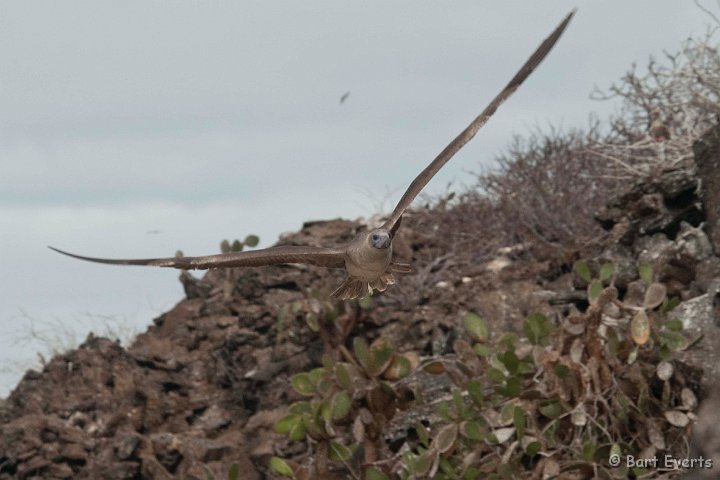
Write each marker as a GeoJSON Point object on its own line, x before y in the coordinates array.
{"type": "Point", "coordinates": [702, 323]}
{"type": "Point", "coordinates": [707, 158]}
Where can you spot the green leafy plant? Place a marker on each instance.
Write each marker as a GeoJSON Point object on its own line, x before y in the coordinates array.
{"type": "Point", "coordinates": [237, 246]}
{"type": "Point", "coordinates": [594, 283]}
{"type": "Point", "coordinates": [559, 397]}
{"type": "Point", "coordinates": [349, 403]}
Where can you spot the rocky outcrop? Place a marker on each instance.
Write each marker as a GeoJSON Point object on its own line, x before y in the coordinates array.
{"type": "Point", "coordinates": [707, 159]}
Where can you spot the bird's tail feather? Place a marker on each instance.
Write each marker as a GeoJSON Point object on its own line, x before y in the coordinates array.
{"type": "Point", "coordinates": [351, 288]}
{"type": "Point", "coordinates": [356, 288]}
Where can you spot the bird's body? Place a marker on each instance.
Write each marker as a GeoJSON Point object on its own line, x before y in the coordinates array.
{"type": "Point", "coordinates": [367, 259]}
{"type": "Point", "coordinates": [658, 130]}
{"type": "Point", "coordinates": [365, 262]}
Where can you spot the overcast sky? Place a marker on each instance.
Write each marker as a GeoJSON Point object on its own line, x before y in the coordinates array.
{"type": "Point", "coordinates": [136, 128]}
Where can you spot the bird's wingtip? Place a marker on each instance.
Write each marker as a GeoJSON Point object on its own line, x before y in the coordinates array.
{"type": "Point", "coordinates": [61, 252]}
{"type": "Point", "coordinates": [570, 15]}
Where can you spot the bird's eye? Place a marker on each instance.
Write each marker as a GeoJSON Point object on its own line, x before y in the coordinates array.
{"type": "Point", "coordinates": [375, 236]}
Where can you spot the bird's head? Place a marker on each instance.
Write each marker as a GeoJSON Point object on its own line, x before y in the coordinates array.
{"type": "Point", "coordinates": [380, 239]}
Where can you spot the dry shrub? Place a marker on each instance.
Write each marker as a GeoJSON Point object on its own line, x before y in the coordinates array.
{"type": "Point", "coordinates": [684, 88]}
{"type": "Point", "coordinates": [546, 189]}
{"type": "Point", "coordinates": [547, 186]}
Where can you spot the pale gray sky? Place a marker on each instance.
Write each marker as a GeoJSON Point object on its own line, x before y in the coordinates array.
{"type": "Point", "coordinates": [207, 120]}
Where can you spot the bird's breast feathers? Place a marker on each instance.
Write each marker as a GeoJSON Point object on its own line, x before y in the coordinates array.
{"type": "Point", "coordinates": [368, 263]}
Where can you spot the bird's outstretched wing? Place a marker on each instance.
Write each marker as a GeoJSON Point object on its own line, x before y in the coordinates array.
{"type": "Point", "coordinates": [322, 257]}
{"type": "Point", "coordinates": [466, 135]}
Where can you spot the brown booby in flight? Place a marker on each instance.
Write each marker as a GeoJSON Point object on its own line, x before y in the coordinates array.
{"type": "Point", "coordinates": [367, 259]}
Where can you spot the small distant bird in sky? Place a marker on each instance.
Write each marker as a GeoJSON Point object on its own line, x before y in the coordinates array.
{"type": "Point", "coordinates": [368, 258]}
{"type": "Point", "coordinates": [344, 97]}
{"type": "Point", "coordinates": [152, 232]}
{"type": "Point", "coordinates": [658, 131]}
